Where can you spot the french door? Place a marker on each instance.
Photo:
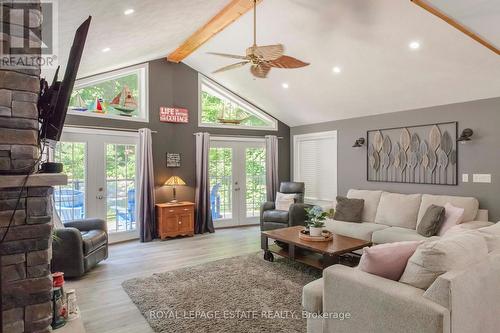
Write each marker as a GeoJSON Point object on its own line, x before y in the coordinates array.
{"type": "Point", "coordinates": [102, 172]}
{"type": "Point", "coordinates": [237, 180]}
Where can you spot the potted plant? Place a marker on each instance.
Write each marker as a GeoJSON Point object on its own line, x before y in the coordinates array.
{"type": "Point", "coordinates": [315, 220]}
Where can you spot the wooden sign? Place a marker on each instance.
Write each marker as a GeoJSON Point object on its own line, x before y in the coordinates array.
{"type": "Point", "coordinates": [174, 115]}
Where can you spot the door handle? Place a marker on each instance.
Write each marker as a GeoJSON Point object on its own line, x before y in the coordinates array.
{"type": "Point", "coordinates": [237, 189]}
{"type": "Point", "coordinates": [100, 196]}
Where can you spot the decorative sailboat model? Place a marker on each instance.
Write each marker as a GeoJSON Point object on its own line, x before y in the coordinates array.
{"type": "Point", "coordinates": [124, 102]}
{"type": "Point", "coordinates": [79, 104]}
{"type": "Point", "coordinates": [230, 116]}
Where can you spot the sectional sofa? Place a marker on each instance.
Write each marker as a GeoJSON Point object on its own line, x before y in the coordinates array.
{"type": "Point", "coordinates": [461, 300]}
{"type": "Point", "coordinates": [393, 217]}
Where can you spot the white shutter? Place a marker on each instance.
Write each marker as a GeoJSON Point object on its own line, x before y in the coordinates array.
{"type": "Point", "coordinates": [315, 164]}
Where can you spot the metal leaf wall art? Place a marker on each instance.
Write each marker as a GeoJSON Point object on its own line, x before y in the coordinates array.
{"type": "Point", "coordinates": [419, 154]}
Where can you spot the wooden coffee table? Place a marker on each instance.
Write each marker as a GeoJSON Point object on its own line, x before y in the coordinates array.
{"type": "Point", "coordinates": [315, 254]}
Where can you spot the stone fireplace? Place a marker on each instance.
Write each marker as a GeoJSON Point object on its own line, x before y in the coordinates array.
{"type": "Point", "coordinates": [25, 203]}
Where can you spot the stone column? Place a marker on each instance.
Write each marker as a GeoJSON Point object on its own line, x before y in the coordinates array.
{"type": "Point", "coordinates": [25, 252]}
{"type": "Point", "coordinates": [26, 279]}
{"type": "Point", "coordinates": [19, 88]}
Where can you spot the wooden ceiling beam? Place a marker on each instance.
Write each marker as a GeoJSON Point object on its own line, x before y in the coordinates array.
{"type": "Point", "coordinates": [425, 5]}
{"type": "Point", "coordinates": [233, 10]}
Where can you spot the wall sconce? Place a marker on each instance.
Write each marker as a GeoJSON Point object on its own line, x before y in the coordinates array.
{"type": "Point", "coordinates": [466, 135]}
{"type": "Point", "coordinates": [359, 143]}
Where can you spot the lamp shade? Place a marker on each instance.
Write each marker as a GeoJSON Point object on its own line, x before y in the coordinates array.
{"type": "Point", "coordinates": [174, 181]}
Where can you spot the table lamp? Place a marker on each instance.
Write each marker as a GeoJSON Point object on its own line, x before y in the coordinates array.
{"type": "Point", "coordinates": [174, 181]}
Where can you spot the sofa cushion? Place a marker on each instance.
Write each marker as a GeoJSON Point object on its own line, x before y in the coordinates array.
{"type": "Point", "coordinates": [387, 260]}
{"type": "Point", "coordinates": [349, 209]}
{"type": "Point", "coordinates": [397, 234]}
{"type": "Point", "coordinates": [371, 198]}
{"type": "Point", "coordinates": [312, 296]}
{"type": "Point", "coordinates": [432, 221]}
{"type": "Point", "coordinates": [274, 215]}
{"type": "Point", "coordinates": [398, 210]}
{"type": "Point", "coordinates": [492, 236]}
{"type": "Point", "coordinates": [352, 229]}
{"type": "Point", "coordinates": [434, 258]}
{"type": "Point", "coordinates": [469, 204]}
{"type": "Point", "coordinates": [92, 240]}
{"type": "Point", "coordinates": [452, 217]}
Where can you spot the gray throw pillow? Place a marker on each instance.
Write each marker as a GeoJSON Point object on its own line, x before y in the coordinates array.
{"type": "Point", "coordinates": [431, 221]}
{"type": "Point", "coordinates": [349, 210]}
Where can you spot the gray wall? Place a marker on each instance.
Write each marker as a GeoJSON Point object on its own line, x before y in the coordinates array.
{"type": "Point", "coordinates": [177, 85]}
{"type": "Point", "coordinates": [481, 155]}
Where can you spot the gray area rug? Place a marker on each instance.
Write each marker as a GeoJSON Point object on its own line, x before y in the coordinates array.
{"type": "Point", "coordinates": [240, 294]}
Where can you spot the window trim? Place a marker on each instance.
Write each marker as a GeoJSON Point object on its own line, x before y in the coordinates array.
{"type": "Point", "coordinates": [142, 70]}
{"type": "Point", "coordinates": [252, 109]}
{"type": "Point", "coordinates": [296, 160]}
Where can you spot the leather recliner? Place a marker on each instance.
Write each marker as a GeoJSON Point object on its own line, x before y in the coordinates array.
{"type": "Point", "coordinates": [271, 218]}
{"type": "Point", "coordinates": [79, 246]}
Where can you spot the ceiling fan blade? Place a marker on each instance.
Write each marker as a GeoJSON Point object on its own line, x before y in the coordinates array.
{"type": "Point", "coordinates": [260, 70]}
{"type": "Point", "coordinates": [267, 52]}
{"type": "Point", "coordinates": [287, 62]}
{"type": "Point", "coordinates": [226, 55]}
{"type": "Point", "coordinates": [233, 66]}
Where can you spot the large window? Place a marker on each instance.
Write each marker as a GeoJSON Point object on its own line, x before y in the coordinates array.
{"type": "Point", "coordinates": [315, 164]}
{"type": "Point", "coordinates": [218, 107]}
{"type": "Point", "coordinates": [120, 94]}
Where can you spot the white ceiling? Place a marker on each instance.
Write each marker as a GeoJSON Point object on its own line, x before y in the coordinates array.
{"type": "Point", "coordinates": [478, 15]}
{"type": "Point", "coordinates": [368, 39]}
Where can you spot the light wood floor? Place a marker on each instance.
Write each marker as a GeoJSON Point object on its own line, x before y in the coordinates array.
{"type": "Point", "coordinates": [105, 306]}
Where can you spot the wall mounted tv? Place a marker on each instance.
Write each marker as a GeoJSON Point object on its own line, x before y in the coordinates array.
{"type": "Point", "coordinates": [54, 100]}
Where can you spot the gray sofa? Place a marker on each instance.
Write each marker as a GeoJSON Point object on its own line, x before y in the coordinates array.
{"type": "Point", "coordinates": [79, 246]}
{"type": "Point", "coordinates": [459, 301]}
{"type": "Point", "coordinates": [393, 217]}
{"type": "Point", "coordinates": [271, 218]}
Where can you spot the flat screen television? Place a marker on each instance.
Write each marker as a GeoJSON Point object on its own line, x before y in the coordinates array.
{"type": "Point", "coordinates": [54, 100]}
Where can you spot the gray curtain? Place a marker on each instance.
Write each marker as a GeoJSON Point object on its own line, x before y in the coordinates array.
{"type": "Point", "coordinates": [146, 195]}
{"type": "Point", "coordinates": [272, 181]}
{"type": "Point", "coordinates": [204, 221]}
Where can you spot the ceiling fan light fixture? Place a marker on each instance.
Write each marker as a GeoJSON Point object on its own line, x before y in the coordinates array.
{"type": "Point", "coordinates": [261, 58]}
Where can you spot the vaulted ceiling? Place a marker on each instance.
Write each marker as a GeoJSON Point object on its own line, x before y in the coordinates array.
{"type": "Point", "coordinates": [367, 39]}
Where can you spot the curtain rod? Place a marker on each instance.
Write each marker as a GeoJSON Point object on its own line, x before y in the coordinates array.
{"type": "Point", "coordinates": [241, 136]}
{"type": "Point", "coordinates": [107, 128]}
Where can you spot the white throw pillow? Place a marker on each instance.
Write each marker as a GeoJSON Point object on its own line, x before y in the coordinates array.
{"type": "Point", "coordinates": [434, 258]}
{"type": "Point", "coordinates": [284, 200]}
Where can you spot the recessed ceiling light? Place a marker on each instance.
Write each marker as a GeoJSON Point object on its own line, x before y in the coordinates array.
{"type": "Point", "coordinates": [414, 45]}
{"type": "Point", "coordinates": [106, 49]}
{"type": "Point", "coordinates": [285, 85]}
{"type": "Point", "coordinates": [129, 11]}
{"type": "Point", "coordinates": [336, 69]}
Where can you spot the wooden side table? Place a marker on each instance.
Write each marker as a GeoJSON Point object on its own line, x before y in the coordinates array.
{"type": "Point", "coordinates": [175, 219]}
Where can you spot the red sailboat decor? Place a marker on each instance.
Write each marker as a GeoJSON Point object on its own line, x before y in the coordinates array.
{"type": "Point", "coordinates": [98, 106]}
{"type": "Point", "coordinates": [124, 102]}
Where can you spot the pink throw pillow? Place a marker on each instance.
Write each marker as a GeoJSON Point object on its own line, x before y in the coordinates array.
{"type": "Point", "coordinates": [387, 260]}
{"type": "Point", "coordinates": [452, 216]}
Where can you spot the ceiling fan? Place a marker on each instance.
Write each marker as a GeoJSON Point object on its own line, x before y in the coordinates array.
{"type": "Point", "coordinates": [261, 58]}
